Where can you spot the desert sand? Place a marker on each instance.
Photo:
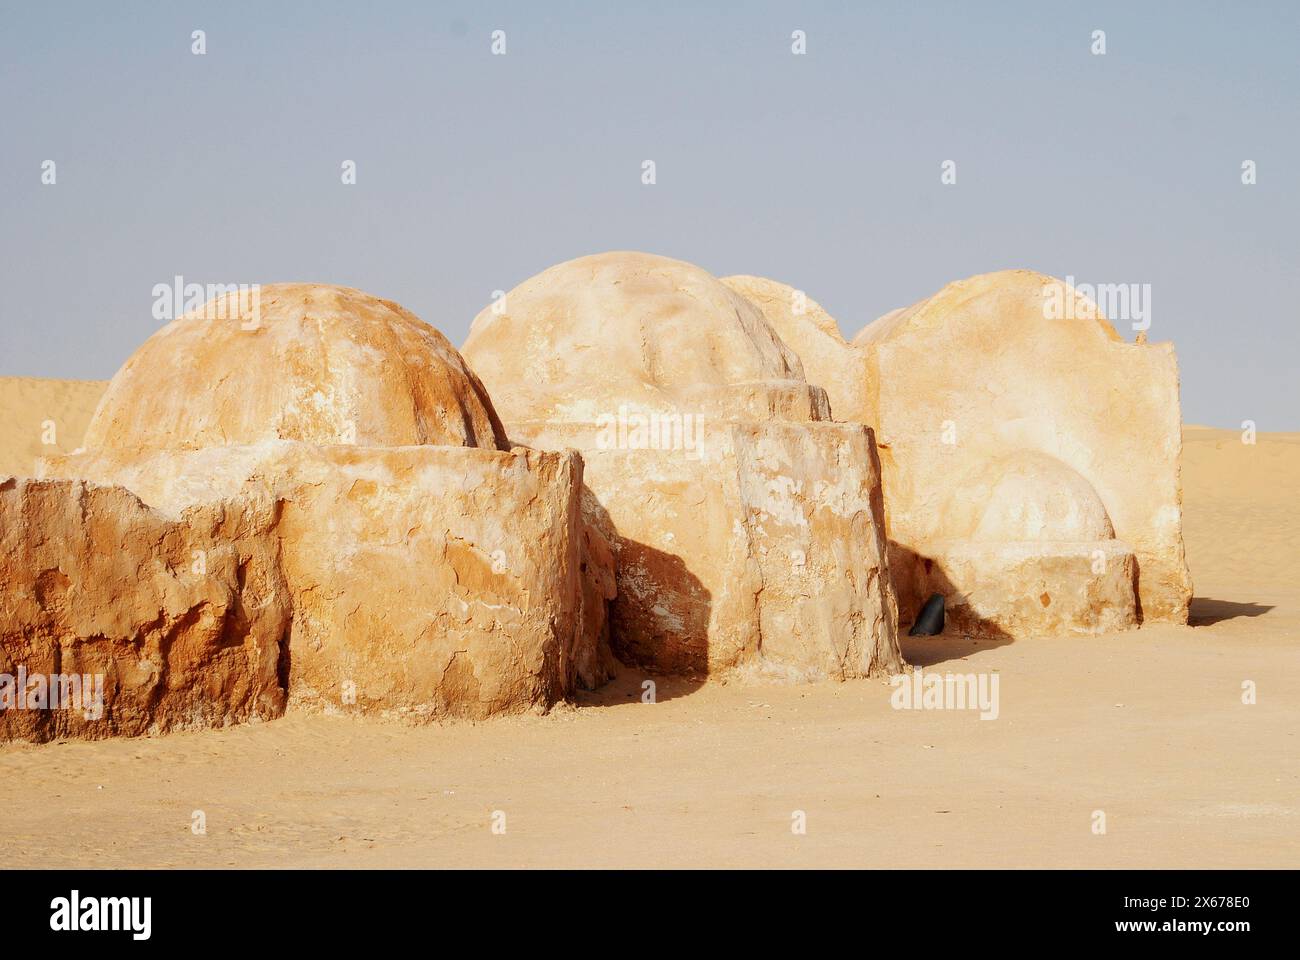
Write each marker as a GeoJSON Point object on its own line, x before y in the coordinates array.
{"type": "Point", "coordinates": [30, 405]}
{"type": "Point", "coordinates": [1148, 726]}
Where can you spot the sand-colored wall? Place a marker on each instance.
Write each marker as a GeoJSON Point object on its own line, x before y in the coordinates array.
{"type": "Point", "coordinates": [979, 372]}
{"type": "Point", "coordinates": [436, 581]}
{"type": "Point", "coordinates": [97, 585]}
{"type": "Point", "coordinates": [982, 373]}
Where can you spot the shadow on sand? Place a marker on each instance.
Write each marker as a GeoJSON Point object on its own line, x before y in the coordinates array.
{"type": "Point", "coordinates": [917, 576]}
{"type": "Point", "coordinates": [1205, 611]}
{"type": "Point", "coordinates": [627, 688]}
{"type": "Point", "coordinates": [948, 646]}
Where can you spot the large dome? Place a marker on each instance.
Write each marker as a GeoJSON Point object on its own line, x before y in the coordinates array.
{"type": "Point", "coordinates": [316, 363]}
{"type": "Point", "coordinates": [585, 337]}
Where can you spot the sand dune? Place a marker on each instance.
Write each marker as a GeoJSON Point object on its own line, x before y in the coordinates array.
{"type": "Point", "coordinates": [33, 411]}
{"type": "Point", "coordinates": [1147, 726]}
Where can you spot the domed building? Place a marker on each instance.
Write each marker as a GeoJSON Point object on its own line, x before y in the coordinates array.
{"type": "Point", "coordinates": [428, 570]}
{"type": "Point", "coordinates": [638, 331]}
{"type": "Point", "coordinates": [294, 361]}
{"type": "Point", "coordinates": [746, 527]}
{"type": "Point", "coordinates": [1023, 546]}
{"type": "Point", "coordinates": [1029, 455]}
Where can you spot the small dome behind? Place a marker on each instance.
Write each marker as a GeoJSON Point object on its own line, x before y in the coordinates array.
{"type": "Point", "coordinates": [315, 363]}
{"type": "Point", "coordinates": [987, 307]}
{"type": "Point", "coordinates": [805, 327]}
{"type": "Point", "coordinates": [1028, 496]}
{"type": "Point", "coordinates": [584, 337]}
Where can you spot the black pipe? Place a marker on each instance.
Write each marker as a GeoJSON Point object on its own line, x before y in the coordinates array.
{"type": "Point", "coordinates": [929, 622]}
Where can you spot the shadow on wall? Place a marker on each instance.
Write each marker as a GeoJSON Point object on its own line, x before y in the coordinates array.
{"type": "Point", "coordinates": [1206, 611]}
{"type": "Point", "coordinates": [648, 625]}
{"type": "Point", "coordinates": [916, 577]}
{"type": "Point", "coordinates": [652, 632]}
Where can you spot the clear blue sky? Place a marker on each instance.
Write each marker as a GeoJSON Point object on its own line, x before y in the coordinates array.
{"type": "Point", "coordinates": [476, 171]}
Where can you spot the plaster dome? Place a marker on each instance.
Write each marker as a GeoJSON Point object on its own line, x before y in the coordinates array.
{"type": "Point", "coordinates": [1027, 497]}
{"type": "Point", "coordinates": [587, 336]}
{"type": "Point", "coordinates": [310, 362]}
